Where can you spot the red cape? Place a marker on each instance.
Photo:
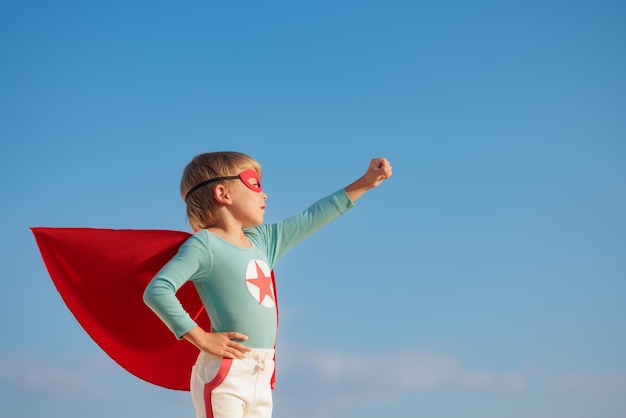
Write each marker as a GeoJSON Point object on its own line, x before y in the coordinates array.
{"type": "Point", "coordinates": [101, 275]}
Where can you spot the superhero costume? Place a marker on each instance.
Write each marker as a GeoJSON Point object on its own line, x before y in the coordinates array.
{"type": "Point", "coordinates": [101, 275]}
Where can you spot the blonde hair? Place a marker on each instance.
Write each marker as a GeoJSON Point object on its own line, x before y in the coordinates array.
{"type": "Point", "coordinates": [201, 205]}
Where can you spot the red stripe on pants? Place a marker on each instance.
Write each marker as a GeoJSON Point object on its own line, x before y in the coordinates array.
{"type": "Point", "coordinates": [217, 380]}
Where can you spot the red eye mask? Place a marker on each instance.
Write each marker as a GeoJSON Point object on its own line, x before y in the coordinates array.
{"type": "Point", "coordinates": [245, 176]}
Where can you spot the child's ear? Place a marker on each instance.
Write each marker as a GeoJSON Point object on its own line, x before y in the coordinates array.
{"type": "Point", "coordinates": [220, 194]}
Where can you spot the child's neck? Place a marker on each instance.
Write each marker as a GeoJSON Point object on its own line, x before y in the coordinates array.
{"type": "Point", "coordinates": [232, 235]}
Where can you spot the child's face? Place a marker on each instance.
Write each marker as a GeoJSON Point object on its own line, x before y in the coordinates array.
{"type": "Point", "coordinates": [249, 201]}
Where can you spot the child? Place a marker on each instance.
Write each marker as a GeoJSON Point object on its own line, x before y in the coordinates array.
{"type": "Point", "coordinates": [230, 260]}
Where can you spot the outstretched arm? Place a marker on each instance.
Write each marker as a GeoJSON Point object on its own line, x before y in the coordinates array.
{"type": "Point", "coordinates": [378, 171]}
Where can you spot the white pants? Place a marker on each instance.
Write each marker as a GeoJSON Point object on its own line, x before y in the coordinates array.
{"type": "Point", "coordinates": [227, 388]}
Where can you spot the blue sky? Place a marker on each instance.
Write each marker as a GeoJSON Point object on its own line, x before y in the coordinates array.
{"type": "Point", "coordinates": [485, 279]}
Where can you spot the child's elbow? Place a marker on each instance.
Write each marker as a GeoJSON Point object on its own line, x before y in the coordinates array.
{"type": "Point", "coordinates": [148, 295]}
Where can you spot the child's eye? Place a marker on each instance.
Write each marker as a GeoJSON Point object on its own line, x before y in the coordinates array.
{"type": "Point", "coordinates": [251, 179]}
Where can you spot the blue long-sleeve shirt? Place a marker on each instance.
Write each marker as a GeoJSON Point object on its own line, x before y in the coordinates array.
{"type": "Point", "coordinates": [233, 282]}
